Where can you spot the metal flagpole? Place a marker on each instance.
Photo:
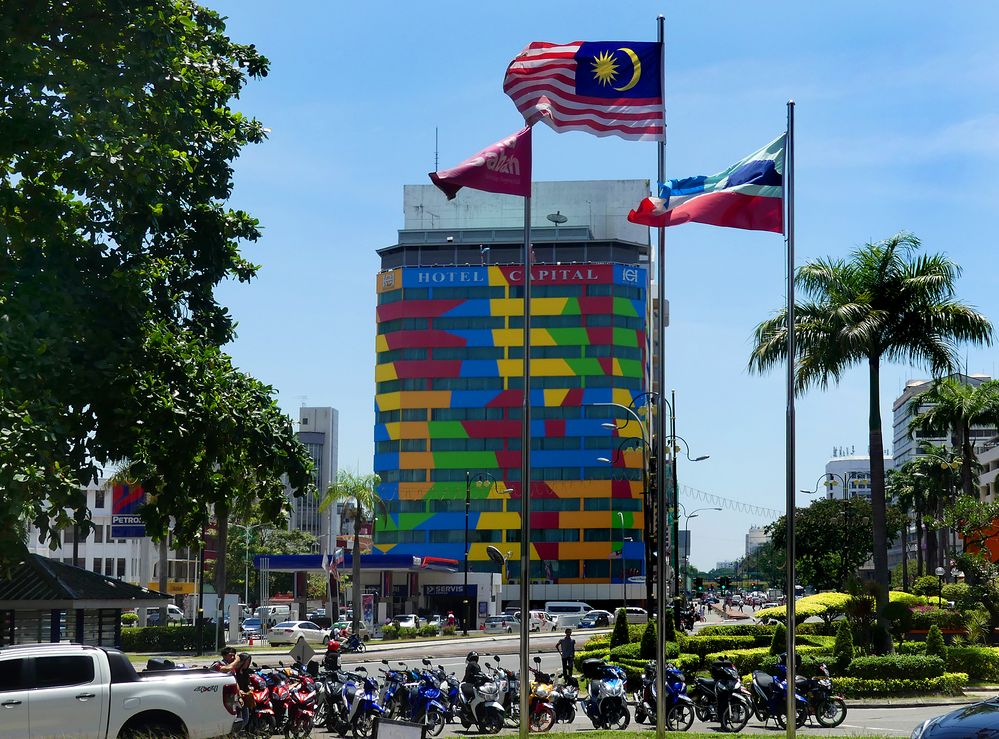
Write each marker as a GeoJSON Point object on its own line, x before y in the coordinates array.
{"type": "Point", "coordinates": [791, 365]}
{"type": "Point", "coordinates": [660, 432]}
{"type": "Point", "coordinates": [525, 490]}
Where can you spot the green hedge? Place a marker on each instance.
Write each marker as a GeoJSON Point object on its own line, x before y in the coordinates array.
{"type": "Point", "coordinates": [702, 645]}
{"type": "Point", "coordinates": [809, 665]}
{"type": "Point", "coordinates": [747, 660]}
{"type": "Point", "coordinates": [166, 638]}
{"type": "Point", "coordinates": [923, 617]}
{"type": "Point", "coordinates": [981, 663]}
{"type": "Point", "coordinates": [950, 683]}
{"type": "Point", "coordinates": [820, 628]}
{"type": "Point", "coordinates": [737, 630]}
{"type": "Point", "coordinates": [633, 651]}
{"type": "Point", "coordinates": [390, 631]}
{"type": "Point", "coordinates": [892, 665]}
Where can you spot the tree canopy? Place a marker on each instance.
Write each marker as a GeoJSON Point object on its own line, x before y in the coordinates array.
{"type": "Point", "coordinates": [117, 139]}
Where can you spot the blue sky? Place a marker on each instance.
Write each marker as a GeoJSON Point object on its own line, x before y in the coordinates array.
{"type": "Point", "coordinates": [897, 127]}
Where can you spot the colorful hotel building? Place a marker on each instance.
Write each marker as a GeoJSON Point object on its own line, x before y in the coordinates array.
{"type": "Point", "coordinates": [449, 386]}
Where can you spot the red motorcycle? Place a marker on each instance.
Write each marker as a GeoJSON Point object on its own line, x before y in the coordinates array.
{"type": "Point", "coordinates": [301, 709]}
{"type": "Point", "coordinates": [260, 720]}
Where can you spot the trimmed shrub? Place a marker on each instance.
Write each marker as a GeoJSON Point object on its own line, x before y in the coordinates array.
{"type": "Point", "coordinates": [165, 639]}
{"type": "Point", "coordinates": [129, 619]}
{"type": "Point", "coordinates": [701, 645]}
{"type": "Point", "coordinates": [843, 648]}
{"type": "Point", "coordinates": [601, 641]}
{"type": "Point", "coordinates": [390, 631]}
{"type": "Point", "coordinates": [935, 643]}
{"type": "Point", "coordinates": [923, 617]}
{"type": "Point", "coordinates": [449, 630]}
{"type": "Point", "coordinates": [818, 628]}
{"type": "Point", "coordinates": [747, 660]}
{"type": "Point", "coordinates": [911, 647]}
{"type": "Point", "coordinates": [981, 663]}
{"type": "Point", "coordinates": [809, 664]}
{"type": "Point", "coordinates": [893, 665]}
{"type": "Point", "coordinates": [427, 630]}
{"type": "Point", "coordinates": [408, 633]}
{"type": "Point", "coordinates": [620, 634]}
{"type": "Point", "coordinates": [960, 593]}
{"type": "Point", "coordinates": [899, 615]}
{"type": "Point", "coordinates": [669, 627]}
{"type": "Point", "coordinates": [626, 651]}
{"type": "Point", "coordinates": [900, 596]}
{"type": "Point", "coordinates": [737, 630]}
{"type": "Point", "coordinates": [648, 643]}
{"type": "Point", "coordinates": [778, 643]}
{"type": "Point", "coordinates": [949, 683]}
{"type": "Point", "coordinates": [926, 585]}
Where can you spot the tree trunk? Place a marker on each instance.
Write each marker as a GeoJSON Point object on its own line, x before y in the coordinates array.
{"type": "Point", "coordinates": [967, 460]}
{"type": "Point", "coordinates": [905, 552]}
{"type": "Point", "coordinates": [942, 538]}
{"type": "Point", "coordinates": [164, 573]}
{"type": "Point", "coordinates": [919, 542]}
{"type": "Point", "coordinates": [878, 507]}
{"type": "Point", "coordinates": [221, 574]}
{"type": "Point", "coordinates": [931, 549]}
{"type": "Point", "coordinates": [356, 567]}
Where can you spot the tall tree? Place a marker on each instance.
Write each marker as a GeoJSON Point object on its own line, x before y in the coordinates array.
{"type": "Point", "coordinates": [359, 490]}
{"type": "Point", "coordinates": [117, 140]}
{"type": "Point", "coordinates": [885, 302]}
{"type": "Point", "coordinates": [955, 407]}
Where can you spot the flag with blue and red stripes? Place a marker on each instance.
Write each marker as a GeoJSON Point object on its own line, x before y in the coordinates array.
{"type": "Point", "coordinates": [748, 195]}
{"type": "Point", "coordinates": [606, 88]}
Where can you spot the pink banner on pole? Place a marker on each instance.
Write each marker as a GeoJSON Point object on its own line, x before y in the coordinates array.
{"type": "Point", "coordinates": [503, 167]}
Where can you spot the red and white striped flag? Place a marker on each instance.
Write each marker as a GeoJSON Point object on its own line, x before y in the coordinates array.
{"type": "Point", "coordinates": [607, 88]}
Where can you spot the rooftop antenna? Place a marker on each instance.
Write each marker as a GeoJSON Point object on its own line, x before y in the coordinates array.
{"type": "Point", "coordinates": [437, 164]}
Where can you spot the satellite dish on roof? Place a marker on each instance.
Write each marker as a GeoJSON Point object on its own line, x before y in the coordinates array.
{"type": "Point", "coordinates": [495, 555]}
{"type": "Point", "coordinates": [557, 217]}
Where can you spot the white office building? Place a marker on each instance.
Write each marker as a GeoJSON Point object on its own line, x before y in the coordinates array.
{"type": "Point", "coordinates": [318, 431]}
{"type": "Point", "coordinates": [755, 538]}
{"type": "Point", "coordinates": [853, 470]}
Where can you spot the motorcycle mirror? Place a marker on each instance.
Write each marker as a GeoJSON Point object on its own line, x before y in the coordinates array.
{"type": "Point", "coordinates": [537, 660]}
{"type": "Point", "coordinates": [425, 661]}
{"type": "Point", "coordinates": [403, 665]}
{"type": "Point", "coordinates": [363, 669]}
{"type": "Point", "coordinates": [385, 662]}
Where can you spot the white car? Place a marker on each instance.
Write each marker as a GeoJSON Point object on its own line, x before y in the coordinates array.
{"type": "Point", "coordinates": [501, 625]}
{"type": "Point", "coordinates": [408, 621]}
{"type": "Point", "coordinates": [540, 621]}
{"type": "Point", "coordinates": [288, 632]}
{"type": "Point", "coordinates": [636, 615]}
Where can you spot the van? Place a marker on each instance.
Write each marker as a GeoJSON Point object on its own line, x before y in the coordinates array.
{"type": "Point", "coordinates": [274, 614]}
{"type": "Point", "coordinates": [569, 612]}
{"type": "Point", "coordinates": [540, 621]}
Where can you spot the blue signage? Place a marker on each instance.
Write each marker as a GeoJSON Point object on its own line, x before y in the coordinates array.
{"type": "Point", "coordinates": [447, 591]}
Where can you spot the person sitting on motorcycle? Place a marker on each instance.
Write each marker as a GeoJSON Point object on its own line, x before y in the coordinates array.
{"type": "Point", "coordinates": [227, 663]}
{"type": "Point", "coordinates": [473, 675]}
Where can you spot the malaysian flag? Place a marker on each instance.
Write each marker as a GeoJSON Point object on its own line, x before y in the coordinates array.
{"type": "Point", "coordinates": [607, 88]}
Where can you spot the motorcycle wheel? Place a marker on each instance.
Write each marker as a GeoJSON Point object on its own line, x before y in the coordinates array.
{"type": "Point", "coordinates": [570, 715]}
{"type": "Point", "coordinates": [492, 723]}
{"type": "Point", "coordinates": [621, 721]}
{"type": "Point", "coordinates": [639, 715]}
{"type": "Point", "coordinates": [703, 714]}
{"type": "Point", "coordinates": [363, 724]}
{"type": "Point", "coordinates": [542, 721]}
{"type": "Point", "coordinates": [512, 718]}
{"type": "Point", "coordinates": [680, 717]}
{"type": "Point", "coordinates": [393, 708]}
{"type": "Point", "coordinates": [831, 712]}
{"type": "Point", "coordinates": [434, 721]}
{"type": "Point", "coordinates": [735, 717]}
{"type": "Point", "coordinates": [299, 728]}
{"type": "Point", "coordinates": [262, 725]}
{"type": "Point", "coordinates": [361, 647]}
{"type": "Point", "coordinates": [322, 713]}
{"type": "Point", "coordinates": [758, 709]}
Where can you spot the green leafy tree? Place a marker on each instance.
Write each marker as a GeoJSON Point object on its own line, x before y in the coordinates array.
{"type": "Point", "coordinates": [766, 563]}
{"type": "Point", "coordinates": [956, 406]}
{"type": "Point", "coordinates": [926, 585]}
{"type": "Point", "coordinates": [117, 143]}
{"type": "Point", "coordinates": [359, 491]}
{"type": "Point", "coordinates": [935, 646]}
{"type": "Point", "coordinates": [669, 627]}
{"type": "Point", "coordinates": [647, 649]}
{"type": "Point", "coordinates": [843, 646]}
{"type": "Point", "coordinates": [620, 634]}
{"type": "Point", "coordinates": [262, 541]}
{"type": "Point", "coordinates": [885, 302]}
{"type": "Point", "coordinates": [899, 619]}
{"type": "Point", "coordinates": [833, 539]}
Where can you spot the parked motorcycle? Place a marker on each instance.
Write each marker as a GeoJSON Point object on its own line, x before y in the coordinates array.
{"type": "Point", "coordinates": [479, 703]}
{"type": "Point", "coordinates": [302, 708]}
{"type": "Point", "coordinates": [541, 712]}
{"type": "Point", "coordinates": [678, 706]}
{"type": "Point", "coordinates": [828, 709]}
{"type": "Point", "coordinates": [509, 696]}
{"type": "Point", "coordinates": [770, 699]}
{"type": "Point", "coordinates": [260, 716]}
{"type": "Point", "coordinates": [722, 698]}
{"type": "Point", "coordinates": [564, 699]}
{"type": "Point", "coordinates": [361, 700]}
{"type": "Point", "coordinates": [606, 704]}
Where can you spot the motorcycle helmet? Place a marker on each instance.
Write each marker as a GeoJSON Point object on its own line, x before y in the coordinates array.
{"type": "Point", "coordinates": [333, 646]}
{"type": "Point", "coordinates": [472, 657]}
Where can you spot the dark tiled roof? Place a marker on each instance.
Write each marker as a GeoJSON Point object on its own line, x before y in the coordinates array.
{"type": "Point", "coordinates": [43, 580]}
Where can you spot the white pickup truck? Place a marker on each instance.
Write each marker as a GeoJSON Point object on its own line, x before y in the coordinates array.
{"type": "Point", "coordinates": [70, 690]}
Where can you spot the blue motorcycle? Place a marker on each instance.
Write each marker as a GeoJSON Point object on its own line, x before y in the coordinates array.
{"type": "Point", "coordinates": [361, 699]}
{"type": "Point", "coordinates": [426, 701]}
{"type": "Point", "coordinates": [770, 698]}
{"type": "Point", "coordinates": [678, 706]}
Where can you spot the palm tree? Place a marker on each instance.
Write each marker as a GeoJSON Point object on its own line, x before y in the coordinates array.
{"type": "Point", "coordinates": [884, 302]}
{"type": "Point", "coordinates": [359, 489]}
{"type": "Point", "coordinates": [957, 406]}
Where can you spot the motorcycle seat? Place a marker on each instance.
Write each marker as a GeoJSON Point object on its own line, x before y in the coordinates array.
{"type": "Point", "coordinates": [765, 681]}
{"type": "Point", "coordinates": [467, 691]}
{"type": "Point", "coordinates": [706, 683]}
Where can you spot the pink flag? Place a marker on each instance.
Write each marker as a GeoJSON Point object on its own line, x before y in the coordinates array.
{"type": "Point", "coordinates": [503, 167]}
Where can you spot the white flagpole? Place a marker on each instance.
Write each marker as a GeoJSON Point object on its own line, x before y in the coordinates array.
{"type": "Point", "coordinates": [525, 489]}
{"type": "Point", "coordinates": [660, 429]}
{"type": "Point", "coordinates": [791, 366]}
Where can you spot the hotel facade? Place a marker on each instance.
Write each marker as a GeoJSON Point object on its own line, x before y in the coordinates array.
{"type": "Point", "coordinates": [449, 389]}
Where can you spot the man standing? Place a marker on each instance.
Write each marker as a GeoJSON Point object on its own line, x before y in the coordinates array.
{"type": "Point", "coordinates": [566, 648]}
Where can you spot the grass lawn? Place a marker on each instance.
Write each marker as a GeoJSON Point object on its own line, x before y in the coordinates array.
{"type": "Point", "coordinates": [697, 735]}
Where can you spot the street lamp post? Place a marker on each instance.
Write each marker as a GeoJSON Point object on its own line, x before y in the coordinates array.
{"type": "Point", "coordinates": [480, 478]}
{"type": "Point", "coordinates": [686, 527]}
{"type": "Point", "coordinates": [827, 480]}
{"type": "Point", "coordinates": [940, 576]}
{"type": "Point", "coordinates": [247, 529]}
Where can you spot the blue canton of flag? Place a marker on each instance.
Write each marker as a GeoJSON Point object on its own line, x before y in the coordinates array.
{"type": "Point", "coordinates": [619, 69]}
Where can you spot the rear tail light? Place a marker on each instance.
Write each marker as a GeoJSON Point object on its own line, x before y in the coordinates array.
{"type": "Point", "coordinates": [230, 697]}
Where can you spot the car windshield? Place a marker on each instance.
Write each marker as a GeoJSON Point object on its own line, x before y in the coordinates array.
{"type": "Point", "coordinates": [252, 622]}
{"type": "Point", "coordinates": [286, 625]}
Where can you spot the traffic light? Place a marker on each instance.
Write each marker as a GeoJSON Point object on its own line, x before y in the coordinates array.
{"type": "Point", "coordinates": [723, 582]}
{"type": "Point", "coordinates": [699, 584]}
